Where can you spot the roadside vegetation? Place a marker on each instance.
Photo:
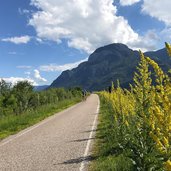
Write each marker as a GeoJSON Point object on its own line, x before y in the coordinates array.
{"type": "Point", "coordinates": [21, 106]}
{"type": "Point", "coordinates": [134, 131]}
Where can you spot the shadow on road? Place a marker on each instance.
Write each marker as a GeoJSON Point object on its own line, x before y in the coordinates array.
{"type": "Point", "coordinates": [79, 160]}
{"type": "Point", "coordinates": [80, 140]}
{"type": "Point", "coordinates": [94, 130]}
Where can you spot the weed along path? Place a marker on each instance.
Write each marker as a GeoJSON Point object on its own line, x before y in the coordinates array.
{"type": "Point", "coordinates": [60, 143]}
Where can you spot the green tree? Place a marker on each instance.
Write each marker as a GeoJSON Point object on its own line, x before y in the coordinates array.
{"type": "Point", "coordinates": [7, 100]}
{"type": "Point", "coordinates": [5, 88]}
{"type": "Point", "coordinates": [23, 91]}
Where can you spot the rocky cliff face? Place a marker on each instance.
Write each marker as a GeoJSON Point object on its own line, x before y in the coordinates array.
{"type": "Point", "coordinates": [107, 64]}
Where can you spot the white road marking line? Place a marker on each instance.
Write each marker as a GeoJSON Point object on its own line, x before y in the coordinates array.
{"type": "Point", "coordinates": [36, 126]}
{"type": "Point", "coordinates": [89, 139]}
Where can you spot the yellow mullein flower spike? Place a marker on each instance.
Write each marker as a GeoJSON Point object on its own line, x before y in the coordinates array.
{"type": "Point", "coordinates": [168, 165]}
{"type": "Point", "coordinates": [168, 47]}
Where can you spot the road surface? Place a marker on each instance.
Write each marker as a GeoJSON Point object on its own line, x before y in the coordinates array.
{"type": "Point", "coordinates": [59, 143]}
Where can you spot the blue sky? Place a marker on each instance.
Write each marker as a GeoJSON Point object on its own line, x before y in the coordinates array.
{"type": "Point", "coordinates": [41, 38]}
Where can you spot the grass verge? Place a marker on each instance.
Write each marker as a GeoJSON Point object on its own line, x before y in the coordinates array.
{"type": "Point", "coordinates": [12, 124]}
{"type": "Point", "coordinates": [106, 154]}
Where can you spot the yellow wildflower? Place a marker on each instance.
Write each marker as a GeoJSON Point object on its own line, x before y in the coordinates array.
{"type": "Point", "coordinates": [168, 165]}
{"type": "Point", "coordinates": [166, 142]}
{"type": "Point", "coordinates": [168, 47]}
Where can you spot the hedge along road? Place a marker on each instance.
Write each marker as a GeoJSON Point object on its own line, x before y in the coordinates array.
{"type": "Point", "coordinates": [61, 142]}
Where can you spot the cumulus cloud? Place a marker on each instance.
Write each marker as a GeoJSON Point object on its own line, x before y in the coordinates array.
{"type": "Point", "coordinates": [17, 40]}
{"type": "Point", "coordinates": [161, 11]}
{"type": "Point", "coordinates": [53, 67]}
{"type": "Point", "coordinates": [85, 24]}
{"type": "Point", "coordinates": [149, 41]}
{"type": "Point", "coordinates": [158, 9]}
{"type": "Point", "coordinates": [38, 76]}
{"type": "Point", "coordinates": [14, 80]}
{"type": "Point", "coordinates": [128, 2]}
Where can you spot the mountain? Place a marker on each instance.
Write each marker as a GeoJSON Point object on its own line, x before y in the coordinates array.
{"type": "Point", "coordinates": [106, 64]}
{"type": "Point", "coordinates": [40, 88]}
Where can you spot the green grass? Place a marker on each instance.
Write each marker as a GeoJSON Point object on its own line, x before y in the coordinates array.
{"type": "Point", "coordinates": [12, 124]}
{"type": "Point", "coordinates": [107, 156]}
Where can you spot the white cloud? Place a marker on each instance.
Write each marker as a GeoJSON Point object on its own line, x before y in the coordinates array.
{"type": "Point", "coordinates": [53, 67]}
{"type": "Point", "coordinates": [158, 9]}
{"type": "Point", "coordinates": [39, 40]}
{"type": "Point", "coordinates": [161, 11]}
{"type": "Point", "coordinates": [17, 40]}
{"type": "Point", "coordinates": [23, 11]}
{"type": "Point", "coordinates": [85, 24]}
{"type": "Point", "coordinates": [38, 76]}
{"type": "Point", "coordinates": [148, 41]}
{"type": "Point", "coordinates": [166, 34]}
{"type": "Point", "coordinates": [34, 78]}
{"type": "Point", "coordinates": [14, 80]}
{"type": "Point", "coordinates": [128, 2]}
{"type": "Point", "coordinates": [24, 67]}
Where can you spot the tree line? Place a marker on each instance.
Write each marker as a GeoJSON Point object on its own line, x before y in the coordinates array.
{"type": "Point", "coordinates": [21, 97]}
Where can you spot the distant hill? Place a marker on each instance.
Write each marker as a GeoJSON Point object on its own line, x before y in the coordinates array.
{"type": "Point", "coordinates": [106, 64]}
{"type": "Point", "coordinates": [40, 88]}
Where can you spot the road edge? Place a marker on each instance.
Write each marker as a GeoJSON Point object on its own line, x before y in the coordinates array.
{"type": "Point", "coordinates": [87, 149]}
